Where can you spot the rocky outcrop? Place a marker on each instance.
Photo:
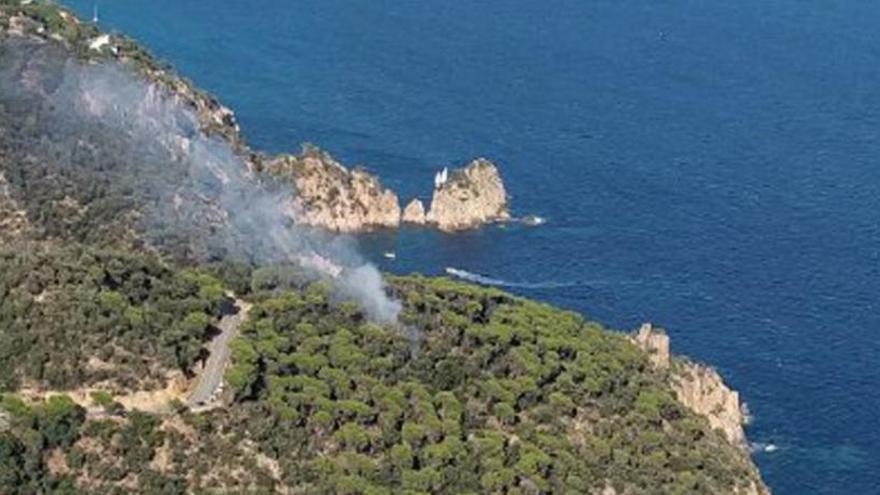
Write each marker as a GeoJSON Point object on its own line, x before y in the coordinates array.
{"type": "Point", "coordinates": [699, 387]}
{"type": "Point", "coordinates": [414, 213]}
{"type": "Point", "coordinates": [468, 198]}
{"type": "Point", "coordinates": [327, 195]}
{"type": "Point", "coordinates": [332, 197]}
{"type": "Point", "coordinates": [656, 343]}
{"type": "Point", "coordinates": [703, 391]}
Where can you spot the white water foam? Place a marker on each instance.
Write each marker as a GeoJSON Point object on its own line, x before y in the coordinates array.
{"type": "Point", "coordinates": [483, 280]}
{"type": "Point", "coordinates": [763, 447]}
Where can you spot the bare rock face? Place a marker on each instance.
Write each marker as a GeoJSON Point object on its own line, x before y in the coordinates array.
{"type": "Point", "coordinates": [702, 390]}
{"type": "Point", "coordinates": [699, 387]}
{"type": "Point", "coordinates": [414, 213]}
{"type": "Point", "coordinates": [331, 197]}
{"type": "Point", "coordinates": [468, 198]}
{"type": "Point", "coordinates": [656, 343]}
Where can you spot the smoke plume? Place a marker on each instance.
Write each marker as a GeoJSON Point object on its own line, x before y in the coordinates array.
{"type": "Point", "coordinates": [98, 137]}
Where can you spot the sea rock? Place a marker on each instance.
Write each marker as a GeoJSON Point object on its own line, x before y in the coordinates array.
{"type": "Point", "coordinates": [329, 196]}
{"type": "Point", "coordinates": [414, 212]}
{"type": "Point", "coordinates": [468, 198]}
{"type": "Point", "coordinates": [700, 388]}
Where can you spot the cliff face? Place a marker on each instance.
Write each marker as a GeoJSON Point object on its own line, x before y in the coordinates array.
{"type": "Point", "coordinates": [698, 387]}
{"type": "Point", "coordinates": [332, 197]}
{"type": "Point", "coordinates": [471, 197]}
{"type": "Point", "coordinates": [329, 196]}
{"type": "Point", "coordinates": [702, 390]}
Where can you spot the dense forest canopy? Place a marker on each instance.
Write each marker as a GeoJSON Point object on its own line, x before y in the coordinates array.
{"type": "Point", "coordinates": [492, 393]}
{"type": "Point", "coordinates": [73, 316]}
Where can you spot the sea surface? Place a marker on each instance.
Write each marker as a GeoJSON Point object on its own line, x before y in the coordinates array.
{"type": "Point", "coordinates": [710, 166]}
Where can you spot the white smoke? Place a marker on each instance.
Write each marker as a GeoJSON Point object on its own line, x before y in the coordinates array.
{"type": "Point", "coordinates": [104, 124]}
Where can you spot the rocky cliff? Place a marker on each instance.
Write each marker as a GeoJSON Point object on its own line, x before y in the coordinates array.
{"type": "Point", "coordinates": [469, 197]}
{"type": "Point", "coordinates": [697, 386]}
{"type": "Point", "coordinates": [702, 390]}
{"type": "Point", "coordinates": [330, 196]}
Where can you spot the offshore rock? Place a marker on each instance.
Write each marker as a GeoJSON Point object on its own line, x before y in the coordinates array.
{"type": "Point", "coordinates": [469, 197]}
{"type": "Point", "coordinates": [329, 196]}
{"type": "Point", "coordinates": [414, 213]}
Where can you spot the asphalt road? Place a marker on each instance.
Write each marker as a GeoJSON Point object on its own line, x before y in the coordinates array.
{"type": "Point", "coordinates": [211, 378]}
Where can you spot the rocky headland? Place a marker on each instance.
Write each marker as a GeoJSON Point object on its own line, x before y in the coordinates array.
{"type": "Point", "coordinates": [702, 390]}
{"type": "Point", "coordinates": [699, 387]}
{"type": "Point", "coordinates": [332, 197]}
{"type": "Point", "coordinates": [325, 193]}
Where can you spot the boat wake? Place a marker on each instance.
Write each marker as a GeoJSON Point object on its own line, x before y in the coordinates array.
{"type": "Point", "coordinates": [769, 448]}
{"type": "Point", "coordinates": [483, 280]}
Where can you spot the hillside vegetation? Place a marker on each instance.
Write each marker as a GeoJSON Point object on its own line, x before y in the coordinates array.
{"type": "Point", "coordinates": [477, 391]}
{"type": "Point", "coordinates": [75, 316]}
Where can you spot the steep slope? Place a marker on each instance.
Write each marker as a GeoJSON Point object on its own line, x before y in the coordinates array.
{"type": "Point", "coordinates": [324, 193]}
{"type": "Point", "coordinates": [75, 316]}
{"type": "Point", "coordinates": [477, 392]}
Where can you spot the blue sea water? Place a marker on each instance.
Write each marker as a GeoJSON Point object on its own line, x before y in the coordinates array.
{"type": "Point", "coordinates": [711, 166]}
